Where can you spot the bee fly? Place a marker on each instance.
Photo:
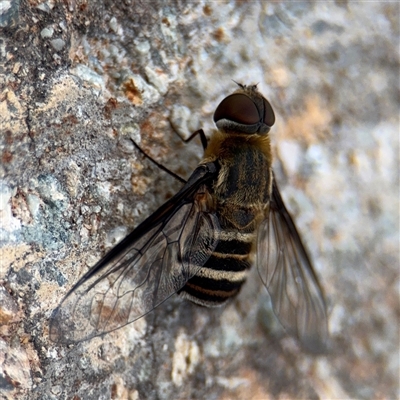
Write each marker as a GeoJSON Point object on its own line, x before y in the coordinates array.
{"type": "Point", "coordinates": [202, 242]}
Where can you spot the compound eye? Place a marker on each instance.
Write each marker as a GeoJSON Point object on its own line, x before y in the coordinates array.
{"type": "Point", "coordinates": [269, 115]}
{"type": "Point", "coordinates": [238, 108]}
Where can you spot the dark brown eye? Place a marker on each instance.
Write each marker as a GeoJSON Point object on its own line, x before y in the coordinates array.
{"type": "Point", "coordinates": [269, 115]}
{"type": "Point", "coordinates": [238, 108]}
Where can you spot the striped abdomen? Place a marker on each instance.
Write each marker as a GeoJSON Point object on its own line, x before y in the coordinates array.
{"type": "Point", "coordinates": [242, 197]}
{"type": "Point", "coordinates": [225, 271]}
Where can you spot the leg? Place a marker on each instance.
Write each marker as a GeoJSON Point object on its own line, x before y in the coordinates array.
{"type": "Point", "coordinates": [194, 134]}
{"type": "Point", "coordinates": [203, 138]}
{"type": "Point", "coordinates": [158, 164]}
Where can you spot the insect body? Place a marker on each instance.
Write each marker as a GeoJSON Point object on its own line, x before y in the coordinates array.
{"type": "Point", "coordinates": [240, 196]}
{"type": "Point", "coordinates": [202, 242]}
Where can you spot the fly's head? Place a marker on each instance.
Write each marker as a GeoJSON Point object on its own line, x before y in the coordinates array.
{"type": "Point", "coordinates": [245, 111]}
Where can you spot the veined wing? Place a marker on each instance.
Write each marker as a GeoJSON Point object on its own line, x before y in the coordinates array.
{"type": "Point", "coordinates": [147, 267]}
{"type": "Point", "coordinates": [288, 275]}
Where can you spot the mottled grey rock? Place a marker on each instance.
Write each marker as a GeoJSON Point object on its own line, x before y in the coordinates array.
{"type": "Point", "coordinates": [72, 184]}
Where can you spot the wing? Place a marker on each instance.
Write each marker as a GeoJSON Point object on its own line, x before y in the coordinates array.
{"type": "Point", "coordinates": [288, 275]}
{"type": "Point", "coordinates": [147, 267]}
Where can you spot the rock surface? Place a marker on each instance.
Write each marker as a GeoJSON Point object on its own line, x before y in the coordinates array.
{"type": "Point", "coordinates": [78, 79]}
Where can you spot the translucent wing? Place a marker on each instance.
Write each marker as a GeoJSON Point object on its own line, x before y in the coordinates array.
{"type": "Point", "coordinates": [288, 275]}
{"type": "Point", "coordinates": [147, 267]}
